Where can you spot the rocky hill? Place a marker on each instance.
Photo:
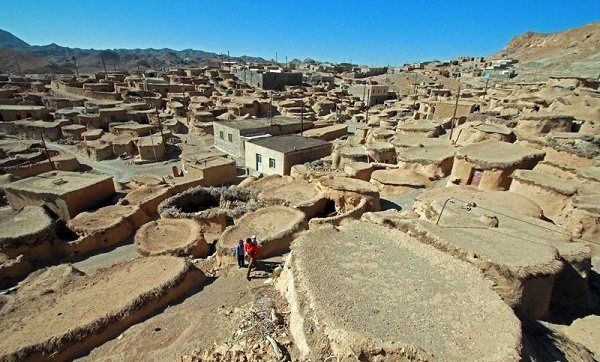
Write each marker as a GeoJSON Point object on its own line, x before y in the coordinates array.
{"type": "Point", "coordinates": [574, 52]}
{"type": "Point", "coordinates": [9, 41]}
{"type": "Point", "coordinates": [54, 58]}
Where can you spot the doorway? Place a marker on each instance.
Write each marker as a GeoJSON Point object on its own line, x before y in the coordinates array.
{"type": "Point", "coordinates": [259, 166]}
{"type": "Point", "coordinates": [475, 177]}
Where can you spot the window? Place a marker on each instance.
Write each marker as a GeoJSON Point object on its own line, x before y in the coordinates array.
{"type": "Point", "coordinates": [221, 135]}
{"type": "Point", "coordinates": [28, 115]}
{"type": "Point", "coordinates": [230, 137]}
{"type": "Point", "coordinates": [271, 163]}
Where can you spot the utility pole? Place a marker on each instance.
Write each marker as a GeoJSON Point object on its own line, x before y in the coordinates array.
{"type": "Point", "coordinates": [302, 118]}
{"type": "Point", "coordinates": [415, 92]}
{"type": "Point", "coordinates": [46, 151]}
{"type": "Point", "coordinates": [160, 129]}
{"type": "Point", "coordinates": [138, 67]}
{"type": "Point", "coordinates": [271, 108]}
{"type": "Point", "coordinates": [535, 71]}
{"type": "Point", "coordinates": [486, 88]}
{"type": "Point", "coordinates": [74, 59]}
{"type": "Point", "coordinates": [19, 67]}
{"type": "Point", "coordinates": [153, 149]}
{"type": "Point", "coordinates": [104, 66]}
{"type": "Point", "coordinates": [454, 114]}
{"type": "Point", "coordinates": [364, 92]}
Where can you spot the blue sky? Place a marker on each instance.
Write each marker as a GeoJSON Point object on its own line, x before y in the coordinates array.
{"type": "Point", "coordinates": [366, 32]}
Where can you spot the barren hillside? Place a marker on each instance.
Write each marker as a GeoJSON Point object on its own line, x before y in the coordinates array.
{"type": "Point", "coordinates": [53, 58]}
{"type": "Point", "coordinates": [574, 52]}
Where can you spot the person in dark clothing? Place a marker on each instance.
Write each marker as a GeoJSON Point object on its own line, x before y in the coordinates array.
{"type": "Point", "coordinates": [240, 253]}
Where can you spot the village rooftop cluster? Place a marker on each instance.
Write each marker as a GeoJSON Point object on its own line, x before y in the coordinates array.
{"type": "Point", "coordinates": [440, 210]}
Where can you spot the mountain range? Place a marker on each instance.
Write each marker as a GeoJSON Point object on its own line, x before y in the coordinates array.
{"type": "Point", "coordinates": [573, 52]}
{"type": "Point", "coordinates": [53, 58]}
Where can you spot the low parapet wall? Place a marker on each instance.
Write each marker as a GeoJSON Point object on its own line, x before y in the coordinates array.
{"type": "Point", "coordinates": [113, 96]}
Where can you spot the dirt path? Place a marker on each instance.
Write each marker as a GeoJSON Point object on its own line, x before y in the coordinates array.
{"type": "Point", "coordinates": [203, 320]}
{"type": "Point", "coordinates": [120, 170]}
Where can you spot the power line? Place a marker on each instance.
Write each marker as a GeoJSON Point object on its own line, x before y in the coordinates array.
{"type": "Point", "coordinates": [510, 217]}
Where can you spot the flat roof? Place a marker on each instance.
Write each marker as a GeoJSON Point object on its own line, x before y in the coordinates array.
{"type": "Point", "coordinates": [498, 154]}
{"type": "Point", "coordinates": [288, 143]}
{"type": "Point", "coordinates": [206, 159]}
{"type": "Point", "coordinates": [19, 107]}
{"type": "Point", "coordinates": [132, 125]}
{"type": "Point", "coordinates": [260, 122]}
{"type": "Point", "coordinates": [57, 182]}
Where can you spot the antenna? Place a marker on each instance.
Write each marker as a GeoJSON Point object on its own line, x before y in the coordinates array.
{"type": "Point", "coordinates": [454, 115]}
{"type": "Point", "coordinates": [46, 151]}
{"type": "Point", "coordinates": [104, 66]}
{"type": "Point", "coordinates": [74, 59]}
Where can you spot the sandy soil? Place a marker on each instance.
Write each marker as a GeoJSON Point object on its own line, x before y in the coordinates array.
{"type": "Point", "coordinates": [492, 154]}
{"type": "Point", "coordinates": [80, 307]}
{"type": "Point", "coordinates": [120, 170]}
{"type": "Point", "coordinates": [171, 236]}
{"type": "Point", "coordinates": [511, 203]}
{"type": "Point", "coordinates": [206, 319]}
{"type": "Point", "coordinates": [366, 290]}
{"type": "Point", "coordinates": [24, 225]}
{"type": "Point", "coordinates": [294, 194]}
{"type": "Point", "coordinates": [348, 184]}
{"type": "Point", "coordinates": [427, 154]}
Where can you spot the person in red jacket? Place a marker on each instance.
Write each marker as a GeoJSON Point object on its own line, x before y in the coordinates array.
{"type": "Point", "coordinates": [252, 250]}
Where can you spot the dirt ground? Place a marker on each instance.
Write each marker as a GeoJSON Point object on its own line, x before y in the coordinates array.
{"type": "Point", "coordinates": [123, 170]}
{"type": "Point", "coordinates": [171, 236]}
{"type": "Point", "coordinates": [79, 308]}
{"type": "Point", "coordinates": [340, 300]}
{"type": "Point", "coordinates": [216, 318]}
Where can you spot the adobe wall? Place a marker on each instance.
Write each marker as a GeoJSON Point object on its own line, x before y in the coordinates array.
{"type": "Point", "coordinates": [551, 202]}
{"type": "Point", "coordinates": [28, 170]}
{"type": "Point", "coordinates": [148, 198]}
{"type": "Point", "coordinates": [352, 214]}
{"type": "Point", "coordinates": [431, 170]}
{"type": "Point", "coordinates": [105, 227]}
{"type": "Point", "coordinates": [523, 287]}
{"type": "Point", "coordinates": [86, 93]}
{"type": "Point", "coordinates": [274, 226]}
{"type": "Point", "coordinates": [491, 179]}
{"type": "Point", "coordinates": [89, 197]}
{"type": "Point", "coordinates": [179, 237]}
{"type": "Point", "coordinates": [302, 156]}
{"type": "Point", "coordinates": [538, 126]}
{"type": "Point", "coordinates": [348, 193]}
{"type": "Point", "coordinates": [136, 290]}
{"type": "Point", "coordinates": [580, 222]}
{"type": "Point", "coordinates": [13, 270]}
{"type": "Point", "coordinates": [32, 129]}
{"type": "Point", "coordinates": [219, 175]}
